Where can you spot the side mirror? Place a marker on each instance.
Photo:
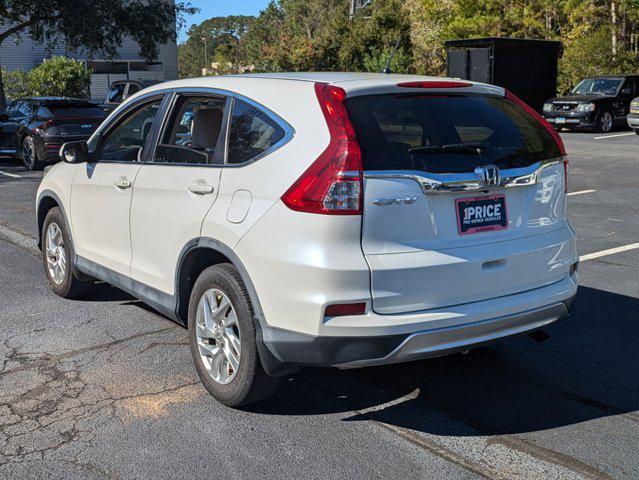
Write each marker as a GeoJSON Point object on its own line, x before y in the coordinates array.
{"type": "Point", "coordinates": [74, 152]}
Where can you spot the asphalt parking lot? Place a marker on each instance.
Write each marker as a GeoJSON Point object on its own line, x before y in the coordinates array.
{"type": "Point", "coordinates": [105, 388]}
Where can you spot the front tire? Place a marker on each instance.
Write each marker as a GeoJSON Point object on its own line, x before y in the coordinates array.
{"type": "Point", "coordinates": [222, 338]}
{"type": "Point", "coordinates": [58, 255]}
{"type": "Point", "coordinates": [29, 155]}
{"type": "Point", "coordinates": [637, 131]}
{"type": "Point", "coordinates": [605, 122]}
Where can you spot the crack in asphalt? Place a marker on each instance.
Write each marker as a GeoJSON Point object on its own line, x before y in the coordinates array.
{"type": "Point", "coordinates": [61, 408]}
{"type": "Point", "coordinates": [49, 358]}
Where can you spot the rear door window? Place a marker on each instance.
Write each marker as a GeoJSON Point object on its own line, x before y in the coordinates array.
{"type": "Point", "coordinates": [446, 133]}
{"type": "Point", "coordinates": [252, 133]}
{"type": "Point", "coordinates": [194, 133]}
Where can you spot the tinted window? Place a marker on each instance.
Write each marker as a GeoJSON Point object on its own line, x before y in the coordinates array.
{"type": "Point", "coordinates": [77, 111]}
{"type": "Point", "coordinates": [11, 110]}
{"type": "Point", "coordinates": [24, 109]}
{"type": "Point", "coordinates": [116, 93]}
{"type": "Point", "coordinates": [133, 88]}
{"type": "Point", "coordinates": [193, 133]}
{"type": "Point", "coordinates": [43, 112]}
{"type": "Point", "coordinates": [252, 132]}
{"type": "Point", "coordinates": [124, 142]}
{"type": "Point", "coordinates": [416, 132]}
{"type": "Point", "coordinates": [597, 86]}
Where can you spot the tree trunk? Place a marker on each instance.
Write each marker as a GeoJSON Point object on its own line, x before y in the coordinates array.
{"type": "Point", "coordinates": [613, 15]}
{"type": "Point", "coordinates": [3, 99]}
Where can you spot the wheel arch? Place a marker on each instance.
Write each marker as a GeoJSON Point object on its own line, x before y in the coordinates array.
{"type": "Point", "coordinates": [201, 253]}
{"type": "Point", "coordinates": [197, 255]}
{"type": "Point", "coordinates": [47, 200]}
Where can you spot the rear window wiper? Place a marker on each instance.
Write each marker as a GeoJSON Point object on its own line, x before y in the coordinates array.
{"type": "Point", "coordinates": [469, 147]}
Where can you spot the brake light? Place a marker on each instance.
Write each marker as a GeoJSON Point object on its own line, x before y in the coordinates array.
{"type": "Point", "coordinates": [45, 125]}
{"type": "Point", "coordinates": [332, 185]}
{"type": "Point", "coordinates": [435, 84]}
{"type": "Point", "coordinates": [540, 119]}
{"type": "Point", "coordinates": [553, 133]}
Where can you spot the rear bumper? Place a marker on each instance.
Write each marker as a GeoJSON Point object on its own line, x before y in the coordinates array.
{"type": "Point", "coordinates": [633, 121]}
{"type": "Point", "coordinates": [434, 333]}
{"type": "Point", "coordinates": [437, 342]}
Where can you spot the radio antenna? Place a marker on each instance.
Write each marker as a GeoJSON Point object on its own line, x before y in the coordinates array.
{"type": "Point", "coordinates": [387, 69]}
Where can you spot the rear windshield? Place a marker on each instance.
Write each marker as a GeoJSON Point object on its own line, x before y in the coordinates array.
{"type": "Point", "coordinates": [76, 111]}
{"type": "Point", "coordinates": [446, 133]}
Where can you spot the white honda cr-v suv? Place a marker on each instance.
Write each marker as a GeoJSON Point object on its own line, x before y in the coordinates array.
{"type": "Point", "coordinates": [327, 219]}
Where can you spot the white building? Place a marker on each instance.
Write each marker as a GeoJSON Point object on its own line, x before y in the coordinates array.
{"type": "Point", "coordinates": [128, 64]}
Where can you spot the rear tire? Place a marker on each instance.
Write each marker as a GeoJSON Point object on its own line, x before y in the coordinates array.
{"type": "Point", "coordinates": [222, 338]}
{"type": "Point", "coordinates": [58, 255]}
{"type": "Point", "coordinates": [29, 155]}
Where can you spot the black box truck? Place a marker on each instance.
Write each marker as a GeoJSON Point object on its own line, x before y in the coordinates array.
{"type": "Point", "coordinates": [528, 68]}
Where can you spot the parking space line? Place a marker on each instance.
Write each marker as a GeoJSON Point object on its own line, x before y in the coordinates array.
{"type": "Point", "coordinates": [610, 251]}
{"type": "Point", "coordinates": [581, 192]}
{"type": "Point", "coordinates": [12, 175]}
{"type": "Point", "coordinates": [615, 135]}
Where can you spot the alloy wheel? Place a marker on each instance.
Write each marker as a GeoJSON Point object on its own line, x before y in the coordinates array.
{"type": "Point", "coordinates": [606, 122]}
{"type": "Point", "coordinates": [56, 254]}
{"type": "Point", "coordinates": [218, 336]}
{"type": "Point", "coordinates": [28, 154]}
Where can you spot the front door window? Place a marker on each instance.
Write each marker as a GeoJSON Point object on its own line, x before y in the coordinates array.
{"type": "Point", "coordinates": [125, 141]}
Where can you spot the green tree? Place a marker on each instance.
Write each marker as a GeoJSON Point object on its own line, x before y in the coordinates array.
{"type": "Point", "coordinates": [219, 39]}
{"type": "Point", "coordinates": [60, 76]}
{"type": "Point", "coordinates": [92, 26]}
{"type": "Point", "coordinates": [372, 36]}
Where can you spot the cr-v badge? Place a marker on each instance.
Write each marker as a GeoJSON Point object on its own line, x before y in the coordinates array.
{"type": "Point", "coordinates": [395, 201]}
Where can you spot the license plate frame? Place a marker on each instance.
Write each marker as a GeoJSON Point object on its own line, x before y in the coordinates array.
{"type": "Point", "coordinates": [471, 221]}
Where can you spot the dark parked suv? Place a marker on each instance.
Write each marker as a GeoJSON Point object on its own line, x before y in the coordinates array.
{"type": "Point", "coordinates": [596, 103]}
{"type": "Point", "coordinates": [35, 128]}
{"type": "Point", "coordinates": [123, 89]}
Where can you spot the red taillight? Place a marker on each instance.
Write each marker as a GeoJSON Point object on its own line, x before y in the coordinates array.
{"type": "Point", "coordinates": [332, 185]}
{"type": "Point", "coordinates": [435, 84]}
{"type": "Point", "coordinates": [540, 119]}
{"type": "Point", "coordinates": [45, 125]}
{"type": "Point", "coordinates": [553, 133]}
{"type": "Point", "coordinates": [342, 309]}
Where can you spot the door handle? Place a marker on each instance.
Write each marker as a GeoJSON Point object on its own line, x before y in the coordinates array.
{"type": "Point", "coordinates": [123, 183]}
{"type": "Point", "coordinates": [200, 187]}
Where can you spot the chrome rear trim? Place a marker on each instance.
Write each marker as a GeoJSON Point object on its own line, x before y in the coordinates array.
{"type": "Point", "coordinates": [434, 183]}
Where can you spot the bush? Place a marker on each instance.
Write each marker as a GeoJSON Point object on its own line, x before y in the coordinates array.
{"type": "Point", "coordinates": [16, 83]}
{"type": "Point", "coordinates": [60, 76]}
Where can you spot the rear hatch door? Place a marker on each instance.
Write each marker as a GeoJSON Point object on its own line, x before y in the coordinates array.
{"type": "Point", "coordinates": [460, 191]}
{"type": "Point", "coordinates": [76, 121]}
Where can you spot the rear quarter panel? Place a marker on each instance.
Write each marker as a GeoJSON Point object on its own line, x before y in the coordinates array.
{"type": "Point", "coordinates": [256, 186]}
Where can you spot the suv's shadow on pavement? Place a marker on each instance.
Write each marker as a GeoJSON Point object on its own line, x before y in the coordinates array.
{"type": "Point", "coordinates": [588, 369]}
